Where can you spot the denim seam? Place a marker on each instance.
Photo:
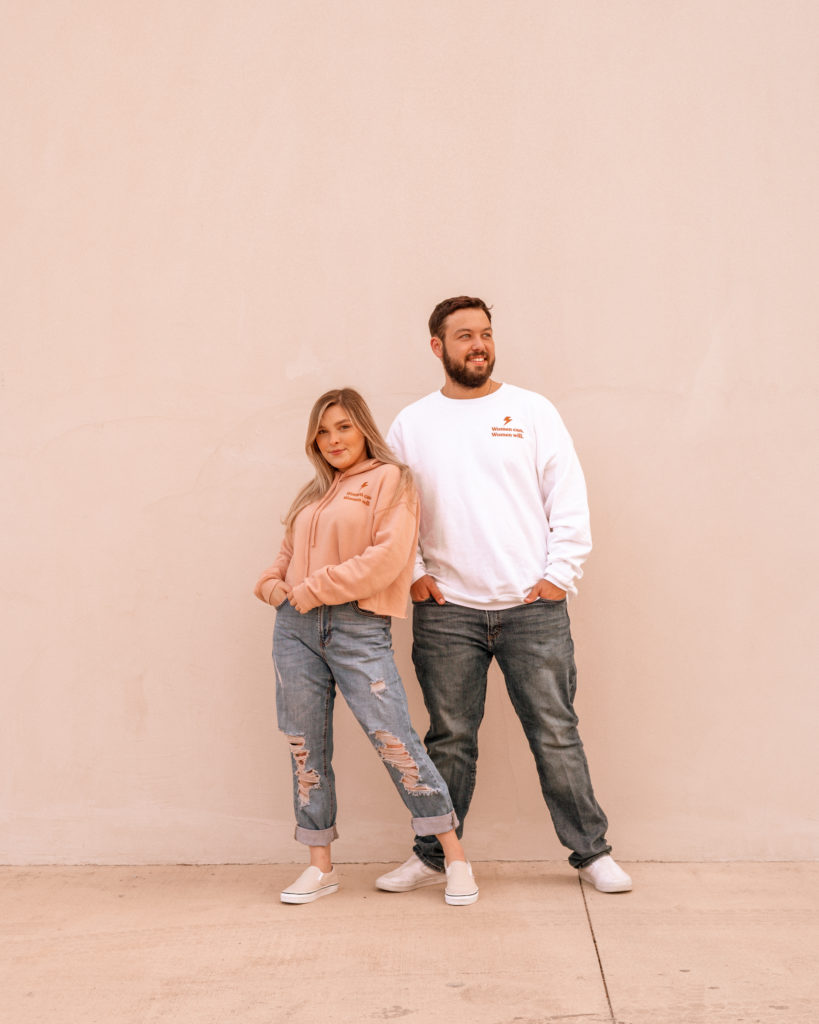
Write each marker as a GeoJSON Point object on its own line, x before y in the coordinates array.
{"type": "Point", "coordinates": [330, 789]}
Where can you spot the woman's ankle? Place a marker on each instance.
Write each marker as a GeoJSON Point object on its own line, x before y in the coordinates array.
{"type": "Point", "coordinates": [321, 858]}
{"type": "Point", "coordinates": [451, 846]}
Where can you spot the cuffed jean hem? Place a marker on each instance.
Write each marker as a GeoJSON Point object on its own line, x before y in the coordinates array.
{"type": "Point", "coordinates": [435, 826]}
{"type": "Point", "coordinates": [578, 862]}
{"type": "Point", "coordinates": [315, 836]}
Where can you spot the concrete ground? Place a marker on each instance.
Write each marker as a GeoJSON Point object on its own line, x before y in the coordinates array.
{"type": "Point", "coordinates": [708, 943]}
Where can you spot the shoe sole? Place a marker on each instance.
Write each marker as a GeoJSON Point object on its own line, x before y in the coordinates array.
{"type": "Point", "coordinates": [461, 901]}
{"type": "Point", "coordinates": [308, 897]}
{"type": "Point", "coordinates": [607, 888]}
{"type": "Point", "coordinates": [397, 887]}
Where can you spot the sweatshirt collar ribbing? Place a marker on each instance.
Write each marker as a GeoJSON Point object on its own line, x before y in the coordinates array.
{"type": "Point", "coordinates": [472, 402]}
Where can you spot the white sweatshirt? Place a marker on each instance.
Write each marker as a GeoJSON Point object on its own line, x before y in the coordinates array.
{"type": "Point", "coordinates": [503, 499]}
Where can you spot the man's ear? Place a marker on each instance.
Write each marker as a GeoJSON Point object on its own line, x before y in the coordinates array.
{"type": "Point", "coordinates": [436, 345]}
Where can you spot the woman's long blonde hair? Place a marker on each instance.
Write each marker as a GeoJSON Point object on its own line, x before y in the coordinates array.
{"type": "Point", "coordinates": [376, 447]}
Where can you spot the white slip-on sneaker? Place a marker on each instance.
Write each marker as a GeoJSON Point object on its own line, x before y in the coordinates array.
{"type": "Point", "coordinates": [606, 875]}
{"type": "Point", "coordinates": [461, 887]}
{"type": "Point", "coordinates": [310, 885]}
{"type": "Point", "coordinates": [413, 874]}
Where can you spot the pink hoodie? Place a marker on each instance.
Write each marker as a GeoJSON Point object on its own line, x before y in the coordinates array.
{"type": "Point", "coordinates": [354, 544]}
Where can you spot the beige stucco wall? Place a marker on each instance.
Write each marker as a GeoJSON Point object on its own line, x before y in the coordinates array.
{"type": "Point", "coordinates": [213, 211]}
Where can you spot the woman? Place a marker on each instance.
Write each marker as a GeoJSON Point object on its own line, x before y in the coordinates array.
{"type": "Point", "coordinates": [344, 568]}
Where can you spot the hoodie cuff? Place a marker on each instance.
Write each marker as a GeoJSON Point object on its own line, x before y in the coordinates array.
{"type": "Point", "coordinates": [266, 589]}
{"type": "Point", "coordinates": [570, 588]}
{"type": "Point", "coordinates": [305, 597]}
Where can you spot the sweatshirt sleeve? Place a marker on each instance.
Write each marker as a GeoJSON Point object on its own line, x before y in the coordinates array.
{"type": "Point", "coordinates": [277, 571]}
{"type": "Point", "coordinates": [395, 440]}
{"type": "Point", "coordinates": [395, 530]}
{"type": "Point", "coordinates": [567, 510]}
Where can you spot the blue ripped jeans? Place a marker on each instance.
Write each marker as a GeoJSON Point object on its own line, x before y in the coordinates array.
{"type": "Point", "coordinates": [343, 646]}
{"type": "Point", "coordinates": [452, 649]}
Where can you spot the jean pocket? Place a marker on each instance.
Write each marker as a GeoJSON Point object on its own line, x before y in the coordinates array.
{"type": "Point", "coordinates": [367, 613]}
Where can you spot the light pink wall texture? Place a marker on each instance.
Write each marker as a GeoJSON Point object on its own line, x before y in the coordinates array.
{"type": "Point", "coordinates": [213, 211]}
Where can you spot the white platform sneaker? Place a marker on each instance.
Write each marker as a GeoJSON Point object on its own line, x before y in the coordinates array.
{"type": "Point", "coordinates": [413, 874]}
{"type": "Point", "coordinates": [461, 887]}
{"type": "Point", "coordinates": [310, 885]}
{"type": "Point", "coordinates": [606, 875]}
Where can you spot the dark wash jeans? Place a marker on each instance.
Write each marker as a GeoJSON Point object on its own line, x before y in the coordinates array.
{"type": "Point", "coordinates": [452, 649]}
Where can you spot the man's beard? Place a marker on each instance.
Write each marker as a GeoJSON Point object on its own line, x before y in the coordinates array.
{"type": "Point", "coordinates": [467, 376]}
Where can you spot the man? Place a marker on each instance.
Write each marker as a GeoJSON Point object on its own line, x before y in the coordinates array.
{"type": "Point", "coordinates": [504, 533]}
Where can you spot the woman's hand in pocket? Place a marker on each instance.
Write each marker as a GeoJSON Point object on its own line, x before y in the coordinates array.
{"type": "Point", "coordinates": [280, 593]}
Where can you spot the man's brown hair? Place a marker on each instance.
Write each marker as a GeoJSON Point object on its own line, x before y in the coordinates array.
{"type": "Point", "coordinates": [443, 310]}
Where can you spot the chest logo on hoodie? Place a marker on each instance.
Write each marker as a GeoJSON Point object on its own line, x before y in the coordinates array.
{"type": "Point", "coordinates": [506, 430]}
{"type": "Point", "coordinates": [359, 495]}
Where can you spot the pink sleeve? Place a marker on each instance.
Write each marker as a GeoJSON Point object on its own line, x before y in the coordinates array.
{"type": "Point", "coordinates": [277, 571]}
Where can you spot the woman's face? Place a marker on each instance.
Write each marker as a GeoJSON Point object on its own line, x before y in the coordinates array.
{"type": "Point", "coordinates": [340, 442]}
